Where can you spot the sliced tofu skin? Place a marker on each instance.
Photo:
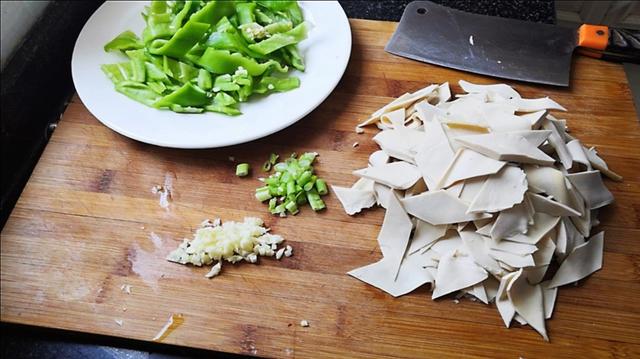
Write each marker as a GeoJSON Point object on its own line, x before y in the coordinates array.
{"type": "Point", "coordinates": [578, 154]}
{"type": "Point", "coordinates": [402, 143]}
{"type": "Point", "coordinates": [426, 234]}
{"type": "Point", "coordinates": [505, 91]}
{"type": "Point", "coordinates": [510, 222]}
{"type": "Point", "coordinates": [378, 158]}
{"type": "Point", "coordinates": [440, 207]}
{"type": "Point", "coordinates": [411, 275]}
{"type": "Point", "coordinates": [456, 271]}
{"type": "Point", "coordinates": [500, 191]}
{"type": "Point", "coordinates": [394, 234]}
{"type": "Point", "coordinates": [535, 118]}
{"type": "Point", "coordinates": [542, 225]}
{"type": "Point", "coordinates": [550, 181]}
{"type": "Point", "coordinates": [535, 137]}
{"type": "Point", "coordinates": [354, 200]}
{"type": "Point", "coordinates": [528, 301]}
{"type": "Point", "coordinates": [556, 140]}
{"type": "Point", "coordinates": [546, 205]}
{"type": "Point", "coordinates": [549, 296]}
{"type": "Point", "coordinates": [487, 196]}
{"type": "Point", "coordinates": [582, 261]}
{"type": "Point", "coordinates": [599, 164]}
{"type": "Point", "coordinates": [456, 189]}
{"type": "Point", "coordinates": [506, 147]}
{"type": "Point", "coordinates": [511, 247]}
{"type": "Point", "coordinates": [537, 104]}
{"type": "Point", "coordinates": [468, 164]}
{"type": "Point", "coordinates": [474, 245]}
{"type": "Point", "coordinates": [397, 175]}
{"type": "Point", "coordinates": [592, 189]}
{"type": "Point", "coordinates": [503, 303]}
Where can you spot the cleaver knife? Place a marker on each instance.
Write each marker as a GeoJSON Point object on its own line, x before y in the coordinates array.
{"type": "Point", "coordinates": [505, 48]}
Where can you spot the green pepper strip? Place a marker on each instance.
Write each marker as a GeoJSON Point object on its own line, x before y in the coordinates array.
{"type": "Point", "coordinates": [179, 70]}
{"type": "Point", "coordinates": [205, 81]}
{"type": "Point", "coordinates": [278, 27]}
{"type": "Point", "coordinates": [137, 91]}
{"type": "Point", "coordinates": [226, 37]}
{"type": "Point", "coordinates": [213, 12]}
{"type": "Point", "coordinates": [276, 84]}
{"type": "Point", "coordinates": [158, 23]}
{"type": "Point", "coordinates": [177, 21]}
{"type": "Point", "coordinates": [281, 40]}
{"type": "Point", "coordinates": [118, 72]}
{"type": "Point", "coordinates": [245, 12]}
{"type": "Point", "coordinates": [125, 41]}
{"type": "Point", "coordinates": [187, 95]}
{"type": "Point", "coordinates": [224, 62]}
{"type": "Point", "coordinates": [183, 40]}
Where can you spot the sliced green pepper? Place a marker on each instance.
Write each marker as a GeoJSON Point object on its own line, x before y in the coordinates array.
{"type": "Point", "coordinates": [187, 95]}
{"type": "Point", "coordinates": [226, 37]}
{"type": "Point", "coordinates": [224, 99]}
{"type": "Point", "coordinates": [182, 41]}
{"type": "Point", "coordinates": [276, 84]}
{"type": "Point", "coordinates": [155, 73]}
{"type": "Point", "coordinates": [157, 87]}
{"type": "Point", "coordinates": [294, 55]}
{"type": "Point", "coordinates": [125, 41]}
{"type": "Point", "coordinates": [278, 27]}
{"type": "Point", "coordinates": [245, 11]}
{"type": "Point", "coordinates": [225, 83]}
{"type": "Point", "coordinates": [263, 18]}
{"type": "Point", "coordinates": [213, 11]}
{"type": "Point", "coordinates": [178, 20]}
{"type": "Point", "coordinates": [186, 109]}
{"type": "Point", "coordinates": [204, 80]}
{"type": "Point", "coordinates": [224, 62]}
{"type": "Point", "coordinates": [281, 40]}
{"type": "Point", "coordinates": [179, 70]}
{"type": "Point", "coordinates": [118, 72]}
{"type": "Point", "coordinates": [158, 23]}
{"type": "Point", "coordinates": [138, 91]}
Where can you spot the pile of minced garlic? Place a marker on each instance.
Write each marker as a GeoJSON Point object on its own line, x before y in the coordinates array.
{"type": "Point", "coordinates": [230, 241]}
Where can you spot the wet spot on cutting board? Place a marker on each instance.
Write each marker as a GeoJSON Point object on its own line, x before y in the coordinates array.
{"type": "Point", "coordinates": [248, 341]}
{"type": "Point", "coordinates": [341, 321]}
{"type": "Point", "coordinates": [124, 266]}
{"type": "Point", "coordinates": [338, 139]}
{"type": "Point", "coordinates": [103, 289]}
{"type": "Point", "coordinates": [103, 183]}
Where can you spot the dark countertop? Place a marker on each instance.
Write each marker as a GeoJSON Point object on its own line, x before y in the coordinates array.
{"type": "Point", "coordinates": [36, 85]}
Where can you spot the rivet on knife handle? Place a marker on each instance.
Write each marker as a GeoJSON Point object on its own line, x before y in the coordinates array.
{"type": "Point", "coordinates": [608, 43]}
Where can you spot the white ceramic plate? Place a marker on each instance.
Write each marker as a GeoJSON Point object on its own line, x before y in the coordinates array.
{"type": "Point", "coordinates": [326, 52]}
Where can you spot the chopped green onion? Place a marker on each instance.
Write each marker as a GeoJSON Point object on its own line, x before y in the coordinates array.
{"type": "Point", "coordinates": [321, 186]}
{"type": "Point", "coordinates": [291, 187]}
{"type": "Point", "coordinates": [262, 194]}
{"type": "Point", "coordinates": [280, 167]}
{"type": "Point", "coordinates": [266, 167]}
{"type": "Point", "coordinates": [304, 178]}
{"type": "Point", "coordinates": [292, 184]}
{"type": "Point", "coordinates": [242, 169]}
{"type": "Point", "coordinates": [292, 207]}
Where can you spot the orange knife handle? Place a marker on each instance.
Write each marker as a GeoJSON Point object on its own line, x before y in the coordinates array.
{"type": "Point", "coordinates": [608, 43]}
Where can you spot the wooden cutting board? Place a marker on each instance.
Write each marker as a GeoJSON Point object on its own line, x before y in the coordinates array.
{"type": "Point", "coordinates": [87, 224]}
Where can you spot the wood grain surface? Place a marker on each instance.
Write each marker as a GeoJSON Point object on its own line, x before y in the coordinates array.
{"type": "Point", "coordinates": [86, 222]}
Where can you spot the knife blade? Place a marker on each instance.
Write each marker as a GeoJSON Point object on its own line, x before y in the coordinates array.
{"type": "Point", "coordinates": [502, 47]}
